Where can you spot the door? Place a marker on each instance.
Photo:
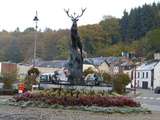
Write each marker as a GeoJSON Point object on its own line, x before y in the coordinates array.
{"type": "Point", "coordinates": [145, 85]}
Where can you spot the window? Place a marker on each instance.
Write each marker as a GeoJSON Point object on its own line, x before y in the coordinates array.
{"type": "Point", "coordinates": [146, 74]}
{"type": "Point", "coordinates": [143, 75]}
{"type": "Point", "coordinates": [138, 75]}
{"type": "Point", "coordinates": [43, 78]}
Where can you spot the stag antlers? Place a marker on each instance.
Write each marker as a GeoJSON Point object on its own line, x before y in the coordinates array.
{"type": "Point", "coordinates": [74, 17]}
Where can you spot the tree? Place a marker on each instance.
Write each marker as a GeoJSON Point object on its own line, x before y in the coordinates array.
{"type": "Point", "coordinates": [88, 71]}
{"type": "Point", "coordinates": [63, 48]}
{"type": "Point", "coordinates": [8, 79]}
{"type": "Point", "coordinates": [30, 80]}
{"type": "Point", "coordinates": [152, 43]}
{"type": "Point", "coordinates": [124, 24]}
{"type": "Point", "coordinates": [48, 30]}
{"type": "Point", "coordinates": [17, 29]}
{"type": "Point", "coordinates": [139, 21]}
{"type": "Point", "coordinates": [107, 78]}
{"type": "Point", "coordinates": [30, 29]}
{"type": "Point", "coordinates": [112, 28]}
{"type": "Point", "coordinates": [13, 53]}
{"type": "Point", "coordinates": [119, 82]}
{"type": "Point", "coordinates": [88, 46]}
{"type": "Point", "coordinates": [95, 33]}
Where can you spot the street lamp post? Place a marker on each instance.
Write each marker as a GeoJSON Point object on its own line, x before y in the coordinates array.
{"type": "Point", "coordinates": [35, 40]}
{"type": "Point", "coordinates": [135, 84]}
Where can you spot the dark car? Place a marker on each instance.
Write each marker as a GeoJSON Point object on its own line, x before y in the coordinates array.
{"type": "Point", "coordinates": [157, 90]}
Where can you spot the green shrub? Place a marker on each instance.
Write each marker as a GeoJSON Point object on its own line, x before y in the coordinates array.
{"type": "Point", "coordinates": [8, 91]}
{"type": "Point", "coordinates": [119, 82]}
{"type": "Point", "coordinates": [33, 71]}
{"type": "Point", "coordinates": [30, 79]}
{"type": "Point", "coordinates": [88, 71]}
{"type": "Point", "coordinates": [107, 78]}
{"type": "Point", "coordinates": [8, 79]}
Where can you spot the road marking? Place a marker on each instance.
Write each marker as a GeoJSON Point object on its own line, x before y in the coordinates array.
{"type": "Point", "coordinates": [144, 97]}
{"type": "Point", "coordinates": [151, 98]}
{"type": "Point", "coordinates": [157, 98]}
{"type": "Point", "coordinates": [148, 98]}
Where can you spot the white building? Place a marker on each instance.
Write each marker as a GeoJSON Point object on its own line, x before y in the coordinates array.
{"type": "Point", "coordinates": [147, 75]}
{"type": "Point", "coordinates": [156, 71]}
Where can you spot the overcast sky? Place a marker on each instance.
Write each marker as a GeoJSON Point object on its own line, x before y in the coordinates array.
{"type": "Point", "coordinates": [20, 13]}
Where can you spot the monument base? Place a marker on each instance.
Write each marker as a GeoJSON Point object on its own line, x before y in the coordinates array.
{"type": "Point", "coordinates": [75, 67]}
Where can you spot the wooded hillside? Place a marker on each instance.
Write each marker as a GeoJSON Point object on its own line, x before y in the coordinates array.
{"type": "Point", "coordinates": [138, 31]}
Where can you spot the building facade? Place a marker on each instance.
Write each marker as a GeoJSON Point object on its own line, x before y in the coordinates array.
{"type": "Point", "coordinates": [147, 76]}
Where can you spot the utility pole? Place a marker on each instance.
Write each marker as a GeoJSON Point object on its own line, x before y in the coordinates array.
{"type": "Point", "coordinates": [35, 39]}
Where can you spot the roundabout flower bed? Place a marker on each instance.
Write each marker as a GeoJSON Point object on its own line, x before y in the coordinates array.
{"type": "Point", "coordinates": [81, 100]}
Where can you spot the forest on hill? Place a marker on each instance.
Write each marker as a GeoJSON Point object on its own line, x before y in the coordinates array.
{"type": "Point", "coordinates": [138, 31]}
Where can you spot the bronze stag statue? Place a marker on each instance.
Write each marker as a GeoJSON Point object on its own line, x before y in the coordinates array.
{"type": "Point", "coordinates": [75, 65]}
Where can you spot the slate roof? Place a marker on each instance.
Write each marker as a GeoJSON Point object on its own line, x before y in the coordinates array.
{"type": "Point", "coordinates": [126, 63]}
{"type": "Point", "coordinates": [53, 64]}
{"type": "Point", "coordinates": [99, 60]}
{"type": "Point", "coordinates": [93, 61]}
{"type": "Point", "coordinates": [149, 65]}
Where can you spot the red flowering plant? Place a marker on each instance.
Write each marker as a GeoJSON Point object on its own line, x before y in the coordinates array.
{"type": "Point", "coordinates": [102, 101]}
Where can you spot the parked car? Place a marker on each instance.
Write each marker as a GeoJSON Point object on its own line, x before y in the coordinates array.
{"type": "Point", "coordinates": [157, 90]}
{"type": "Point", "coordinates": [92, 79]}
{"type": "Point", "coordinates": [57, 77]}
{"type": "Point", "coordinates": [47, 78]}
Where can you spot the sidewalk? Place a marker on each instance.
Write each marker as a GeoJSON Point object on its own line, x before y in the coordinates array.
{"type": "Point", "coordinates": [16, 113]}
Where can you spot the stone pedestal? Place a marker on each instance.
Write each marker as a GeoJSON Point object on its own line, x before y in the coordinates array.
{"type": "Point", "coordinates": [75, 67]}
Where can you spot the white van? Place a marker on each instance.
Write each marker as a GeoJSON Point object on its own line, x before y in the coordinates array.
{"type": "Point", "coordinates": [47, 77]}
{"type": "Point", "coordinates": [56, 77]}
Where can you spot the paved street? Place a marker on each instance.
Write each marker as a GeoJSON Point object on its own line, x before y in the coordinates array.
{"type": "Point", "coordinates": [149, 99]}
{"type": "Point", "coordinates": [17, 113]}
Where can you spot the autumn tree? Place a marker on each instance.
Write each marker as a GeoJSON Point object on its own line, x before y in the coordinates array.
{"type": "Point", "coordinates": [119, 82]}
{"type": "Point", "coordinates": [112, 29]}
